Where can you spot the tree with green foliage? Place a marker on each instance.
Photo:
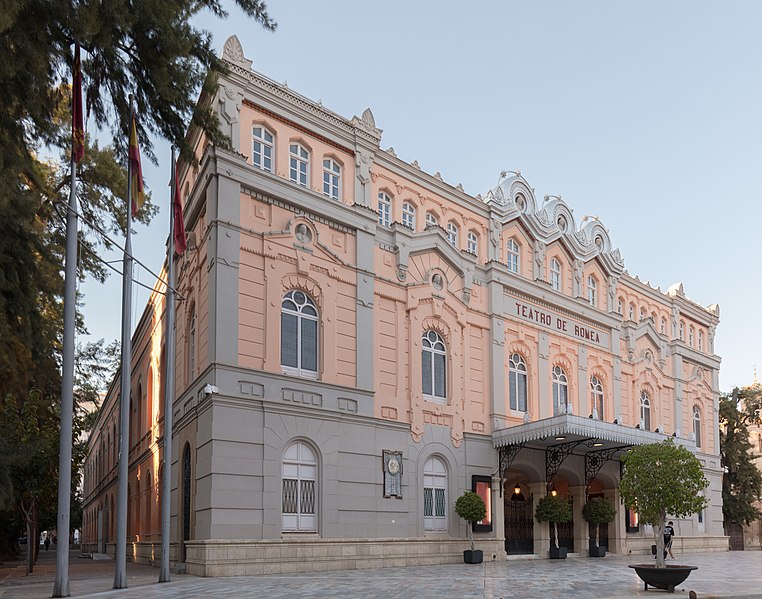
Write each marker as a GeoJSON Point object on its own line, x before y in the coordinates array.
{"type": "Point", "coordinates": [555, 510]}
{"type": "Point", "coordinates": [471, 508]}
{"type": "Point", "coordinates": [598, 511]}
{"type": "Point", "coordinates": [660, 479]}
{"type": "Point", "coordinates": [742, 480]}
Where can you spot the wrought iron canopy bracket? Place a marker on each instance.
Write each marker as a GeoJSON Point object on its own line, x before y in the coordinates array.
{"type": "Point", "coordinates": [507, 454]}
{"type": "Point", "coordinates": [595, 460]}
{"type": "Point", "coordinates": [555, 455]}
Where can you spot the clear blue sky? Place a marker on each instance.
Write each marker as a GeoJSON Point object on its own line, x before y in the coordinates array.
{"type": "Point", "coordinates": [646, 114]}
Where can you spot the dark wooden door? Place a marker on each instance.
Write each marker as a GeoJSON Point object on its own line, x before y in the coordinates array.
{"type": "Point", "coordinates": [735, 532]}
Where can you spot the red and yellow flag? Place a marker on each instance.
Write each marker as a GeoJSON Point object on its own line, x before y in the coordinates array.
{"type": "Point", "coordinates": [136, 172]}
{"type": "Point", "coordinates": [179, 223]}
{"type": "Point", "coordinates": [77, 129]}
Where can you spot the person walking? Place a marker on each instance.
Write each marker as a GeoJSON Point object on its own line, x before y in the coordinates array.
{"type": "Point", "coordinates": [669, 532]}
{"type": "Point", "coordinates": [47, 542]}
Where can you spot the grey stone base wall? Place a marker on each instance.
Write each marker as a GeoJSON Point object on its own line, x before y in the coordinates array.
{"type": "Point", "coordinates": [241, 558]}
{"type": "Point", "coordinates": [680, 545]}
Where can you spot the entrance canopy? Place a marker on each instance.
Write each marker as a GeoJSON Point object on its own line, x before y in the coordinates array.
{"type": "Point", "coordinates": [567, 434]}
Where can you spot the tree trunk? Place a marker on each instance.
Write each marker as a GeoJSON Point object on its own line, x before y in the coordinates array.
{"type": "Point", "coordinates": [470, 535]}
{"type": "Point", "coordinates": [659, 531]}
{"type": "Point", "coordinates": [597, 534]}
{"type": "Point", "coordinates": [555, 534]}
{"type": "Point", "coordinates": [29, 550]}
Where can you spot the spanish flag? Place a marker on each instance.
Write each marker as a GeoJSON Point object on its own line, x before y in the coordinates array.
{"type": "Point", "coordinates": [136, 173]}
{"type": "Point", "coordinates": [179, 223]}
{"type": "Point", "coordinates": [77, 130]}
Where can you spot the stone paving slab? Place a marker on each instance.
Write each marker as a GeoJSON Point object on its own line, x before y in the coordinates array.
{"type": "Point", "coordinates": [736, 574]}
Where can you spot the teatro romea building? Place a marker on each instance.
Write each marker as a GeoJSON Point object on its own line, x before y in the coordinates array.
{"type": "Point", "coordinates": [361, 341]}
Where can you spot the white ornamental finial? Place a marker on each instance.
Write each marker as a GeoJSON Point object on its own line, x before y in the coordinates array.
{"type": "Point", "coordinates": [233, 52]}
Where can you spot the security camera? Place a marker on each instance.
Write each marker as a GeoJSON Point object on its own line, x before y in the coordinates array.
{"type": "Point", "coordinates": [210, 390]}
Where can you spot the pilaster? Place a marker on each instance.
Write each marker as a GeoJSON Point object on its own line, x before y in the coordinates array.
{"type": "Point", "coordinates": [543, 374]}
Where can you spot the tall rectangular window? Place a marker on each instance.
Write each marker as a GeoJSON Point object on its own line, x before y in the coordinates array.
{"type": "Point", "coordinates": [332, 178]}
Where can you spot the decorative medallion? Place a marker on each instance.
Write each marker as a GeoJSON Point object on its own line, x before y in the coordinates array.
{"type": "Point", "coordinates": [392, 463]}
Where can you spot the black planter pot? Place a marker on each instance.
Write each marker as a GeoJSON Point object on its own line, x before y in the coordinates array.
{"type": "Point", "coordinates": [597, 551]}
{"type": "Point", "coordinates": [558, 553]}
{"type": "Point", "coordinates": [662, 578]}
{"type": "Point", "coordinates": [473, 557]}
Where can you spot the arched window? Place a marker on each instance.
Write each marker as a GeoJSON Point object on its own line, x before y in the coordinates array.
{"type": "Point", "coordinates": [299, 334]}
{"type": "Point", "coordinates": [560, 391]}
{"type": "Point", "coordinates": [299, 492]}
{"type": "Point", "coordinates": [149, 504]}
{"type": "Point", "coordinates": [162, 381]}
{"type": "Point", "coordinates": [681, 331]}
{"type": "Point", "coordinates": [473, 243]}
{"type": "Point", "coordinates": [431, 219]}
{"type": "Point", "coordinates": [642, 314]}
{"type": "Point", "coordinates": [452, 234]}
{"type": "Point", "coordinates": [192, 346]}
{"type": "Point", "coordinates": [434, 367]}
{"type": "Point", "coordinates": [384, 209]}
{"type": "Point", "coordinates": [408, 215]}
{"type": "Point", "coordinates": [690, 336]}
{"type": "Point", "coordinates": [262, 148]}
{"type": "Point", "coordinates": [632, 312]}
{"type": "Point", "coordinates": [555, 274]}
{"type": "Point", "coordinates": [596, 397]}
{"type": "Point", "coordinates": [514, 255]}
{"type": "Point", "coordinates": [517, 383]}
{"type": "Point", "coordinates": [186, 497]}
{"type": "Point", "coordinates": [139, 403]}
{"type": "Point", "coordinates": [645, 411]}
{"type": "Point", "coordinates": [592, 291]}
{"type": "Point", "coordinates": [298, 164]}
{"type": "Point", "coordinates": [697, 425]}
{"type": "Point", "coordinates": [701, 340]}
{"type": "Point", "coordinates": [434, 495]}
{"type": "Point", "coordinates": [663, 326]}
{"type": "Point", "coordinates": [620, 306]}
{"type": "Point", "coordinates": [331, 178]}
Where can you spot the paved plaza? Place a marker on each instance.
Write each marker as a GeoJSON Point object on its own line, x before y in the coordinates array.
{"type": "Point", "coordinates": [731, 574]}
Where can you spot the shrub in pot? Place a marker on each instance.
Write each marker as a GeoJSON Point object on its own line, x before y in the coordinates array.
{"type": "Point", "coordinates": [471, 508]}
{"type": "Point", "coordinates": [555, 510]}
{"type": "Point", "coordinates": [598, 511]}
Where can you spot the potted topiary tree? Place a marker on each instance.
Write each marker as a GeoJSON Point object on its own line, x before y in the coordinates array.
{"type": "Point", "coordinates": [555, 510]}
{"type": "Point", "coordinates": [471, 508]}
{"type": "Point", "coordinates": [598, 511]}
{"type": "Point", "coordinates": [660, 479]}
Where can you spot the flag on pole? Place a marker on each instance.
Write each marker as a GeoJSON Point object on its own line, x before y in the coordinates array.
{"type": "Point", "coordinates": [179, 224]}
{"type": "Point", "coordinates": [77, 130]}
{"type": "Point", "coordinates": [135, 170]}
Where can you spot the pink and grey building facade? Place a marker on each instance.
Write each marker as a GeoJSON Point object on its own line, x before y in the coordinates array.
{"type": "Point", "coordinates": [361, 341]}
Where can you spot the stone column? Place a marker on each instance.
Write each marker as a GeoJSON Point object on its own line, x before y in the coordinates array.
{"type": "Point", "coordinates": [617, 530]}
{"type": "Point", "coordinates": [581, 528]}
{"type": "Point", "coordinates": [541, 529]}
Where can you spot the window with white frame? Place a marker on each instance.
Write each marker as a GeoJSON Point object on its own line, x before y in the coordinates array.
{"type": "Point", "coordinates": [434, 495]}
{"type": "Point", "coordinates": [434, 367]}
{"type": "Point", "coordinates": [517, 383]}
{"type": "Point", "coordinates": [473, 243]}
{"type": "Point", "coordinates": [681, 331]}
{"type": "Point", "coordinates": [299, 492]}
{"type": "Point", "coordinates": [299, 161]}
{"type": "Point", "coordinates": [514, 255]}
{"type": "Point", "coordinates": [299, 334]}
{"type": "Point", "coordinates": [632, 312]}
{"type": "Point", "coordinates": [701, 340]}
{"type": "Point", "coordinates": [331, 178]}
{"type": "Point", "coordinates": [697, 425]}
{"type": "Point", "coordinates": [663, 326]}
{"type": "Point", "coordinates": [452, 234]}
{"type": "Point", "coordinates": [555, 274]}
{"type": "Point", "coordinates": [560, 391]}
{"type": "Point", "coordinates": [408, 215]}
{"type": "Point", "coordinates": [592, 291]}
{"type": "Point", "coordinates": [262, 148]}
{"type": "Point", "coordinates": [384, 209]}
{"type": "Point", "coordinates": [690, 336]}
{"type": "Point", "coordinates": [619, 306]}
{"type": "Point", "coordinates": [642, 314]}
{"type": "Point", "coordinates": [192, 346]}
{"type": "Point", "coordinates": [645, 411]}
{"type": "Point", "coordinates": [431, 219]}
{"type": "Point", "coordinates": [596, 397]}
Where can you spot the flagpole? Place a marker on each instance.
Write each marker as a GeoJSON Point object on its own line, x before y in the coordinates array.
{"type": "Point", "coordinates": [120, 576]}
{"type": "Point", "coordinates": [61, 585]}
{"type": "Point", "coordinates": [169, 386]}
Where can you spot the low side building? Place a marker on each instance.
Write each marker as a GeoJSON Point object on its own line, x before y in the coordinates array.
{"type": "Point", "coordinates": [361, 341]}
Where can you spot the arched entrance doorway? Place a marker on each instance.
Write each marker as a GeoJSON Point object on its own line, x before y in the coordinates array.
{"type": "Point", "coordinates": [519, 521]}
{"type": "Point", "coordinates": [595, 489]}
